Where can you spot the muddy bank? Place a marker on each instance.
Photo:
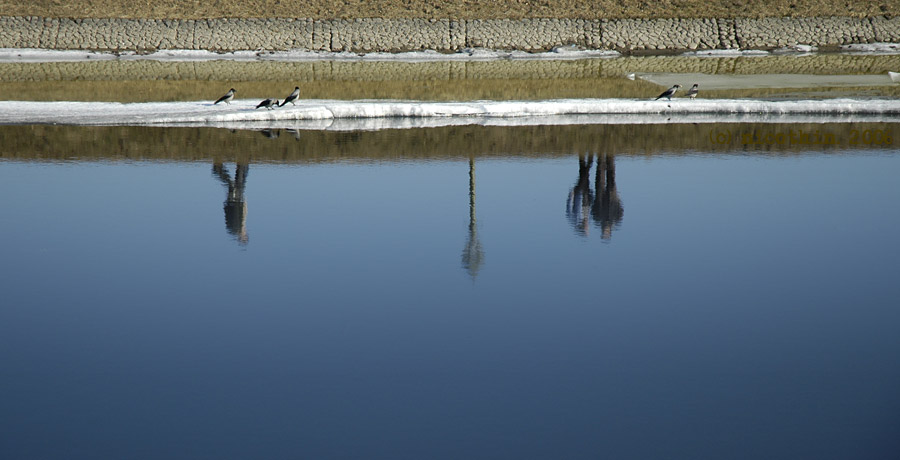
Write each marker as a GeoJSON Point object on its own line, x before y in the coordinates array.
{"type": "Point", "coordinates": [449, 9]}
{"type": "Point", "coordinates": [443, 35]}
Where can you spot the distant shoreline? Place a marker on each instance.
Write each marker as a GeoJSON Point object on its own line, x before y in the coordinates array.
{"type": "Point", "coordinates": [627, 36]}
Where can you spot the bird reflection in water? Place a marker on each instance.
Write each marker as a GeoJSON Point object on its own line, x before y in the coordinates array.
{"type": "Point", "coordinates": [294, 132]}
{"type": "Point", "coordinates": [235, 206]}
{"type": "Point", "coordinates": [271, 133]}
{"type": "Point", "coordinates": [472, 254]}
{"type": "Point", "coordinates": [275, 133]}
{"type": "Point", "coordinates": [602, 204]}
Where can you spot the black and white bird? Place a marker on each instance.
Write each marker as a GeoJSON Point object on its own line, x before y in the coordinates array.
{"type": "Point", "coordinates": [692, 93]}
{"type": "Point", "coordinates": [292, 98]}
{"type": "Point", "coordinates": [668, 93]}
{"type": "Point", "coordinates": [227, 97]}
{"type": "Point", "coordinates": [268, 103]}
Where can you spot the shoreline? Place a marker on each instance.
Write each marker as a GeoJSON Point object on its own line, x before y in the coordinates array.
{"type": "Point", "coordinates": [566, 53]}
{"type": "Point", "coordinates": [624, 36]}
{"type": "Point", "coordinates": [373, 113]}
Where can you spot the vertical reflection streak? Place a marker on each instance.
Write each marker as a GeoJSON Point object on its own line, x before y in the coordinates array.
{"type": "Point", "coordinates": [472, 254]}
{"type": "Point", "coordinates": [235, 206]}
{"type": "Point", "coordinates": [602, 204]}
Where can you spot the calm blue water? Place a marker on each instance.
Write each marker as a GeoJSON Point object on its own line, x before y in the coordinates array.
{"type": "Point", "coordinates": [697, 306]}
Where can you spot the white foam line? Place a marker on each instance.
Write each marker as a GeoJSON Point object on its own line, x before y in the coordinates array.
{"type": "Point", "coordinates": [468, 54]}
{"type": "Point", "coordinates": [377, 124]}
{"type": "Point", "coordinates": [872, 48]}
{"type": "Point", "coordinates": [206, 114]}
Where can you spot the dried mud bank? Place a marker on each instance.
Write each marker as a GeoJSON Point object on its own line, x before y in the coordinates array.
{"type": "Point", "coordinates": [398, 35]}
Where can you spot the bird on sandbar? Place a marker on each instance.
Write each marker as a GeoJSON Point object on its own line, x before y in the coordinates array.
{"type": "Point", "coordinates": [292, 98]}
{"type": "Point", "coordinates": [227, 97]}
{"type": "Point", "coordinates": [668, 93]}
{"type": "Point", "coordinates": [268, 103]}
{"type": "Point", "coordinates": [692, 93]}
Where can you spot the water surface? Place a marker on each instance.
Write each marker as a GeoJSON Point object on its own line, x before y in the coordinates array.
{"type": "Point", "coordinates": [466, 292]}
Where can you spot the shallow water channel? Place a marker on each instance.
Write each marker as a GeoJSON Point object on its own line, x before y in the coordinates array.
{"type": "Point", "coordinates": [770, 76]}
{"type": "Point", "coordinates": [585, 291]}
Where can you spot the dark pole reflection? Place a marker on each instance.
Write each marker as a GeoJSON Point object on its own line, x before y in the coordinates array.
{"type": "Point", "coordinates": [602, 205]}
{"type": "Point", "coordinates": [472, 254]}
{"type": "Point", "coordinates": [235, 206]}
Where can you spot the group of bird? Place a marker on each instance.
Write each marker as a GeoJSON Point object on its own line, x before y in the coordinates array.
{"type": "Point", "coordinates": [692, 93]}
{"type": "Point", "coordinates": [269, 103]}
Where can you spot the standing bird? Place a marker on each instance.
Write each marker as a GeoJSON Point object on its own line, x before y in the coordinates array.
{"type": "Point", "coordinates": [268, 103]}
{"type": "Point", "coordinates": [692, 93]}
{"type": "Point", "coordinates": [227, 97]}
{"type": "Point", "coordinates": [668, 93]}
{"type": "Point", "coordinates": [292, 98]}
